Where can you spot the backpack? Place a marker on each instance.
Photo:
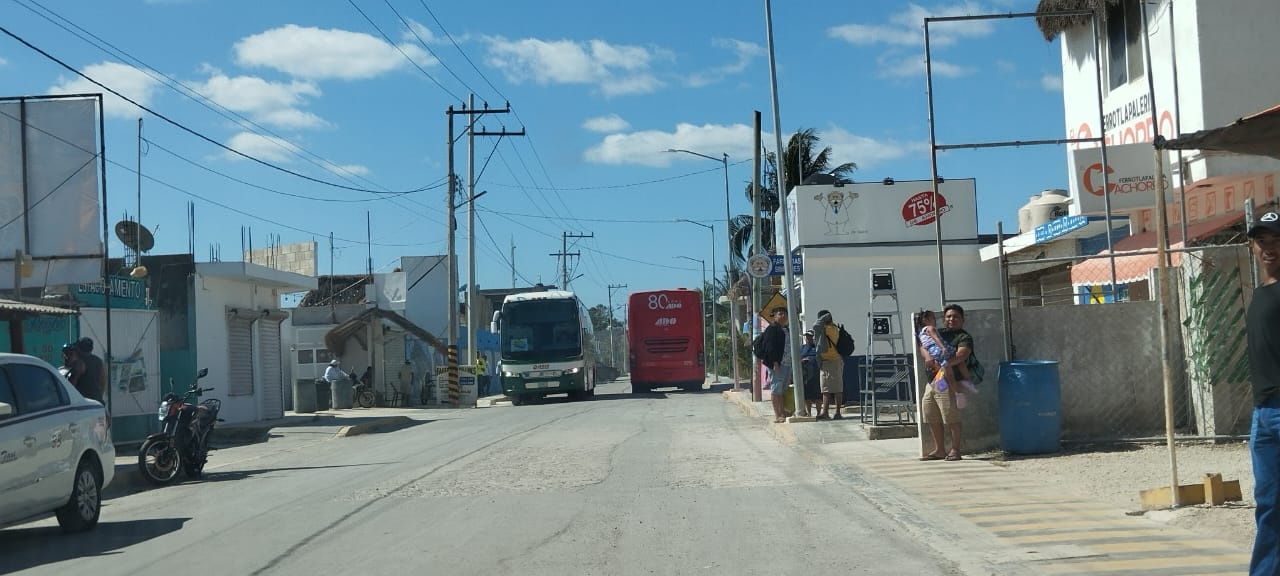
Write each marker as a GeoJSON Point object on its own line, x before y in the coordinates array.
{"type": "Point", "coordinates": [844, 344]}
{"type": "Point", "coordinates": [757, 346]}
{"type": "Point", "coordinates": [976, 372]}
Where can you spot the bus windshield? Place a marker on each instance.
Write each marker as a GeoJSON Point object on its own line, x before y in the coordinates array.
{"type": "Point", "coordinates": [540, 329]}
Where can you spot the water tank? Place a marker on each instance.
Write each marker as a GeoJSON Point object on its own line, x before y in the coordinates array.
{"type": "Point", "coordinates": [1030, 406]}
{"type": "Point", "coordinates": [1024, 215]}
{"type": "Point", "coordinates": [1049, 206]}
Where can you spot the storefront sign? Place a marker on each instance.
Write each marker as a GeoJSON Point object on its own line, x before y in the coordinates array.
{"type": "Point", "coordinates": [1130, 179]}
{"type": "Point", "coordinates": [876, 212]}
{"type": "Point", "coordinates": [125, 293]}
{"type": "Point", "coordinates": [1059, 228]}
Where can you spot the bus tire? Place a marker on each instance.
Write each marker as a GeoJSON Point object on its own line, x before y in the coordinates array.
{"type": "Point", "coordinates": [639, 389]}
{"type": "Point", "coordinates": [517, 400]}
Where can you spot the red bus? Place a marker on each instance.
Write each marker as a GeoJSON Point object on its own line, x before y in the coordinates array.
{"type": "Point", "coordinates": [664, 335]}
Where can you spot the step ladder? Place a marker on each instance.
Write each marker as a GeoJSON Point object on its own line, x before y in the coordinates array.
{"type": "Point", "coordinates": [888, 396]}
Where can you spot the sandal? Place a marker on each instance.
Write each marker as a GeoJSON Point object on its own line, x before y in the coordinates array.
{"type": "Point", "coordinates": [779, 420]}
{"type": "Point", "coordinates": [929, 457]}
{"type": "Point", "coordinates": [952, 457]}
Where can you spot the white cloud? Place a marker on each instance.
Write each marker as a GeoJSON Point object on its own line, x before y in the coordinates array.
{"type": "Point", "coordinates": [648, 147]}
{"type": "Point", "coordinates": [1051, 83]}
{"type": "Point", "coordinates": [744, 52]}
{"type": "Point", "coordinates": [906, 28]}
{"type": "Point", "coordinates": [913, 66]}
{"type": "Point", "coordinates": [865, 151]}
{"type": "Point", "coordinates": [275, 103]}
{"type": "Point", "coordinates": [122, 78]}
{"type": "Point", "coordinates": [317, 54]}
{"type": "Point", "coordinates": [420, 30]}
{"type": "Point", "coordinates": [267, 148]}
{"type": "Point", "coordinates": [1006, 66]}
{"type": "Point", "coordinates": [350, 170]}
{"type": "Point", "coordinates": [609, 123]}
{"type": "Point", "coordinates": [616, 70]}
{"type": "Point", "coordinates": [3, 62]}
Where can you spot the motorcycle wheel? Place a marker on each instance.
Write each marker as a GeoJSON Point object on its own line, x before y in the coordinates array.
{"type": "Point", "coordinates": [365, 398]}
{"type": "Point", "coordinates": [159, 461]}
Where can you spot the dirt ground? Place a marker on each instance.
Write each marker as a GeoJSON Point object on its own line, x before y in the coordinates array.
{"type": "Point", "coordinates": [1117, 473]}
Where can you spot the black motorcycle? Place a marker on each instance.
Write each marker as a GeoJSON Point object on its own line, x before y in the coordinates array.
{"type": "Point", "coordinates": [183, 442]}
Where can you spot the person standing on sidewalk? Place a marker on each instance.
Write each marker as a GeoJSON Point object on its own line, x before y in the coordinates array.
{"type": "Point", "coordinates": [1263, 329]}
{"type": "Point", "coordinates": [831, 382]}
{"type": "Point", "coordinates": [777, 358]}
{"type": "Point", "coordinates": [809, 372]}
{"type": "Point", "coordinates": [940, 408]}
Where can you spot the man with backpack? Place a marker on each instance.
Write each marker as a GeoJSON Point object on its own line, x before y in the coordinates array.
{"type": "Point", "coordinates": [829, 338]}
{"type": "Point", "coordinates": [772, 347]}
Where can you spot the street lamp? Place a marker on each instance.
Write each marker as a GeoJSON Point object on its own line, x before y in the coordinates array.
{"type": "Point", "coordinates": [713, 310]}
{"type": "Point", "coordinates": [728, 230]}
{"type": "Point", "coordinates": [712, 228]}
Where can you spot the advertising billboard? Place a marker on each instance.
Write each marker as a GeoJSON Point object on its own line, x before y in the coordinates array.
{"type": "Point", "coordinates": [1131, 177]}
{"type": "Point", "coordinates": [49, 190]}
{"type": "Point", "coordinates": [876, 212]}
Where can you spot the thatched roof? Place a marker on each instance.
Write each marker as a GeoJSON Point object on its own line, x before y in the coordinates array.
{"type": "Point", "coordinates": [1051, 26]}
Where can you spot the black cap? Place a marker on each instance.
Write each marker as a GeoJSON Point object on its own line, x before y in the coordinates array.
{"type": "Point", "coordinates": [1268, 221]}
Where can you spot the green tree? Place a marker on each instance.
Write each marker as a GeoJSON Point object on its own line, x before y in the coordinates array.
{"type": "Point", "coordinates": [601, 319]}
{"type": "Point", "coordinates": [799, 151]}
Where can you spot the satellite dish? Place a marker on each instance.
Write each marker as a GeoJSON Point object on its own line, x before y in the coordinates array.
{"type": "Point", "coordinates": [135, 236]}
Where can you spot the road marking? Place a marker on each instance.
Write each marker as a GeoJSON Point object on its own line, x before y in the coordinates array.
{"type": "Point", "coordinates": [1156, 563]}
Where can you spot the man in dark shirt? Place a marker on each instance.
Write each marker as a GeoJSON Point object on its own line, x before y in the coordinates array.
{"type": "Point", "coordinates": [777, 358]}
{"type": "Point", "coordinates": [92, 384]}
{"type": "Point", "coordinates": [1263, 327]}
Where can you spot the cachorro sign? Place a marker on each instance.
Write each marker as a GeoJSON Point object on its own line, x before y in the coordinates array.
{"type": "Point", "coordinates": [1130, 178]}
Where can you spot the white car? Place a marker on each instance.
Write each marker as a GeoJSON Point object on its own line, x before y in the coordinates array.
{"type": "Point", "coordinates": [56, 453]}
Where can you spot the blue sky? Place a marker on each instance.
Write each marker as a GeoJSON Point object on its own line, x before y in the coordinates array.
{"type": "Point", "coordinates": [602, 89]}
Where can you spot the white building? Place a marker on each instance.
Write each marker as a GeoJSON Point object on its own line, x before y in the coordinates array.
{"type": "Point", "coordinates": [237, 311]}
{"type": "Point", "coordinates": [1222, 56]}
{"type": "Point", "coordinates": [842, 232]}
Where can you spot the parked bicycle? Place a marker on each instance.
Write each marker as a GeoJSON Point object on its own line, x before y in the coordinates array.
{"type": "Point", "coordinates": [362, 391]}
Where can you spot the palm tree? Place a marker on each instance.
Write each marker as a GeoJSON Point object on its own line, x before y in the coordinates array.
{"type": "Point", "coordinates": [798, 152]}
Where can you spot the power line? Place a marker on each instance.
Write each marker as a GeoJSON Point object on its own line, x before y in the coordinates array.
{"type": "Point", "coordinates": [182, 126]}
{"type": "Point", "coordinates": [464, 56]}
{"type": "Point", "coordinates": [600, 220]}
{"type": "Point", "coordinates": [504, 258]}
{"type": "Point", "coordinates": [402, 52]}
{"type": "Point", "coordinates": [181, 190]}
{"type": "Point", "coordinates": [428, 48]}
{"type": "Point", "coordinates": [620, 186]}
{"type": "Point", "coordinates": [272, 190]}
{"type": "Point", "coordinates": [611, 255]}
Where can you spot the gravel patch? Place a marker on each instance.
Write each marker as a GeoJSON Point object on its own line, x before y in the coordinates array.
{"type": "Point", "coordinates": [1116, 473]}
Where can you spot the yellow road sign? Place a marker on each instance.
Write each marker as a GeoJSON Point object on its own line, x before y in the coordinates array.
{"type": "Point", "coordinates": [774, 302]}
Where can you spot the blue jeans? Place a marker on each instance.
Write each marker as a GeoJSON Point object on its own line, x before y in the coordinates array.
{"type": "Point", "coordinates": [1264, 444]}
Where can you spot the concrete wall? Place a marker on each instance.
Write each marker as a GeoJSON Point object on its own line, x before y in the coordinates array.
{"type": "Point", "coordinates": [1109, 366]}
{"type": "Point", "coordinates": [298, 257]}
{"type": "Point", "coordinates": [427, 285]}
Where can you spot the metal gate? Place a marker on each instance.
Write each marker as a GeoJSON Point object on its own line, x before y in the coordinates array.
{"type": "Point", "coordinates": [272, 373]}
{"type": "Point", "coordinates": [239, 356]}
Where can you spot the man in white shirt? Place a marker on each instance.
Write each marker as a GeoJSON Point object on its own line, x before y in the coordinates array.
{"type": "Point", "coordinates": [334, 373]}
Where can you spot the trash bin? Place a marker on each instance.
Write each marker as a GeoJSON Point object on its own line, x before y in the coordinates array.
{"type": "Point", "coordinates": [342, 394]}
{"type": "Point", "coordinates": [304, 396]}
{"type": "Point", "coordinates": [1030, 402]}
{"type": "Point", "coordinates": [324, 398]}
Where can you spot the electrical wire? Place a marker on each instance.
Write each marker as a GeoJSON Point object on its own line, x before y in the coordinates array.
{"type": "Point", "coordinates": [428, 48]}
{"type": "Point", "coordinates": [182, 126]}
{"type": "Point", "coordinates": [402, 52]}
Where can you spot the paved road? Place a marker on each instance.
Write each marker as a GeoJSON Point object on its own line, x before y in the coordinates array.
{"type": "Point", "coordinates": [675, 483]}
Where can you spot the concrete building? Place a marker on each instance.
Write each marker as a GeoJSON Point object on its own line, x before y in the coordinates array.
{"type": "Point", "coordinates": [238, 315]}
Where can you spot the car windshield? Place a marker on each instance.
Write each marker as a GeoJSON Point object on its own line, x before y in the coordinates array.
{"type": "Point", "coordinates": [538, 329]}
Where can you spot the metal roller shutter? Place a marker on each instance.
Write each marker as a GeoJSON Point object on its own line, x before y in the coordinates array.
{"type": "Point", "coordinates": [240, 355]}
{"type": "Point", "coordinates": [272, 373]}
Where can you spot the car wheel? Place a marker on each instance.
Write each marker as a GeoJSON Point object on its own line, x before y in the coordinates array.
{"type": "Point", "coordinates": [82, 509]}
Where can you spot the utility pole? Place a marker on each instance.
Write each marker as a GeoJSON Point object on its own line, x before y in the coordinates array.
{"type": "Point", "coordinates": [513, 262]}
{"type": "Point", "coordinates": [756, 385]}
{"type": "Point", "coordinates": [564, 254]}
{"type": "Point", "coordinates": [613, 357]}
{"type": "Point", "coordinates": [452, 338]}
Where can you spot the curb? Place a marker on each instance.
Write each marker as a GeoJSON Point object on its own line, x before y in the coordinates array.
{"type": "Point", "coordinates": [781, 432]}
{"type": "Point", "coordinates": [373, 426]}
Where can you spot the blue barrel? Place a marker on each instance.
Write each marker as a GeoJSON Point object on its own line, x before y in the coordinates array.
{"type": "Point", "coordinates": [1030, 402]}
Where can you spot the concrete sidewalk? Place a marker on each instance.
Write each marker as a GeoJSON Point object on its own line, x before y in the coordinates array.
{"type": "Point", "coordinates": [289, 430]}
{"type": "Point", "coordinates": [1051, 527]}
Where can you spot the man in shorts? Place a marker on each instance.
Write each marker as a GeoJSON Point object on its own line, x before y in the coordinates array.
{"type": "Point", "coordinates": [777, 359]}
{"type": "Point", "coordinates": [940, 408]}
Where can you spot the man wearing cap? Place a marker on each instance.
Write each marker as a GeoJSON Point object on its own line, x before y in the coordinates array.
{"type": "Point", "coordinates": [1263, 328]}
{"type": "Point", "coordinates": [334, 373]}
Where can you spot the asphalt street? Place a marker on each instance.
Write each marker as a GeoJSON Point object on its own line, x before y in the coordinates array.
{"type": "Point", "coordinates": [664, 483]}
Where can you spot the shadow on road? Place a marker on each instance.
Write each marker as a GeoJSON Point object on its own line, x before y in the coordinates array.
{"type": "Point", "coordinates": [221, 476]}
{"type": "Point", "coordinates": [30, 547]}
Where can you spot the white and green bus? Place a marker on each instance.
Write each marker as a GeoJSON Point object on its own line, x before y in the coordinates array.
{"type": "Point", "coordinates": [547, 346]}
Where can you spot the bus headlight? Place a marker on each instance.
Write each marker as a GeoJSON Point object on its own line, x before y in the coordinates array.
{"type": "Point", "coordinates": [573, 370]}
{"type": "Point", "coordinates": [510, 374]}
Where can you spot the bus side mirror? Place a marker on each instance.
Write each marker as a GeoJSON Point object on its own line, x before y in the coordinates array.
{"type": "Point", "coordinates": [493, 324]}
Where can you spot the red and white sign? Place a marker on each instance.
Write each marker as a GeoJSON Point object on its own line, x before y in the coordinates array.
{"type": "Point", "coordinates": [918, 211]}
{"type": "Point", "coordinates": [875, 212]}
